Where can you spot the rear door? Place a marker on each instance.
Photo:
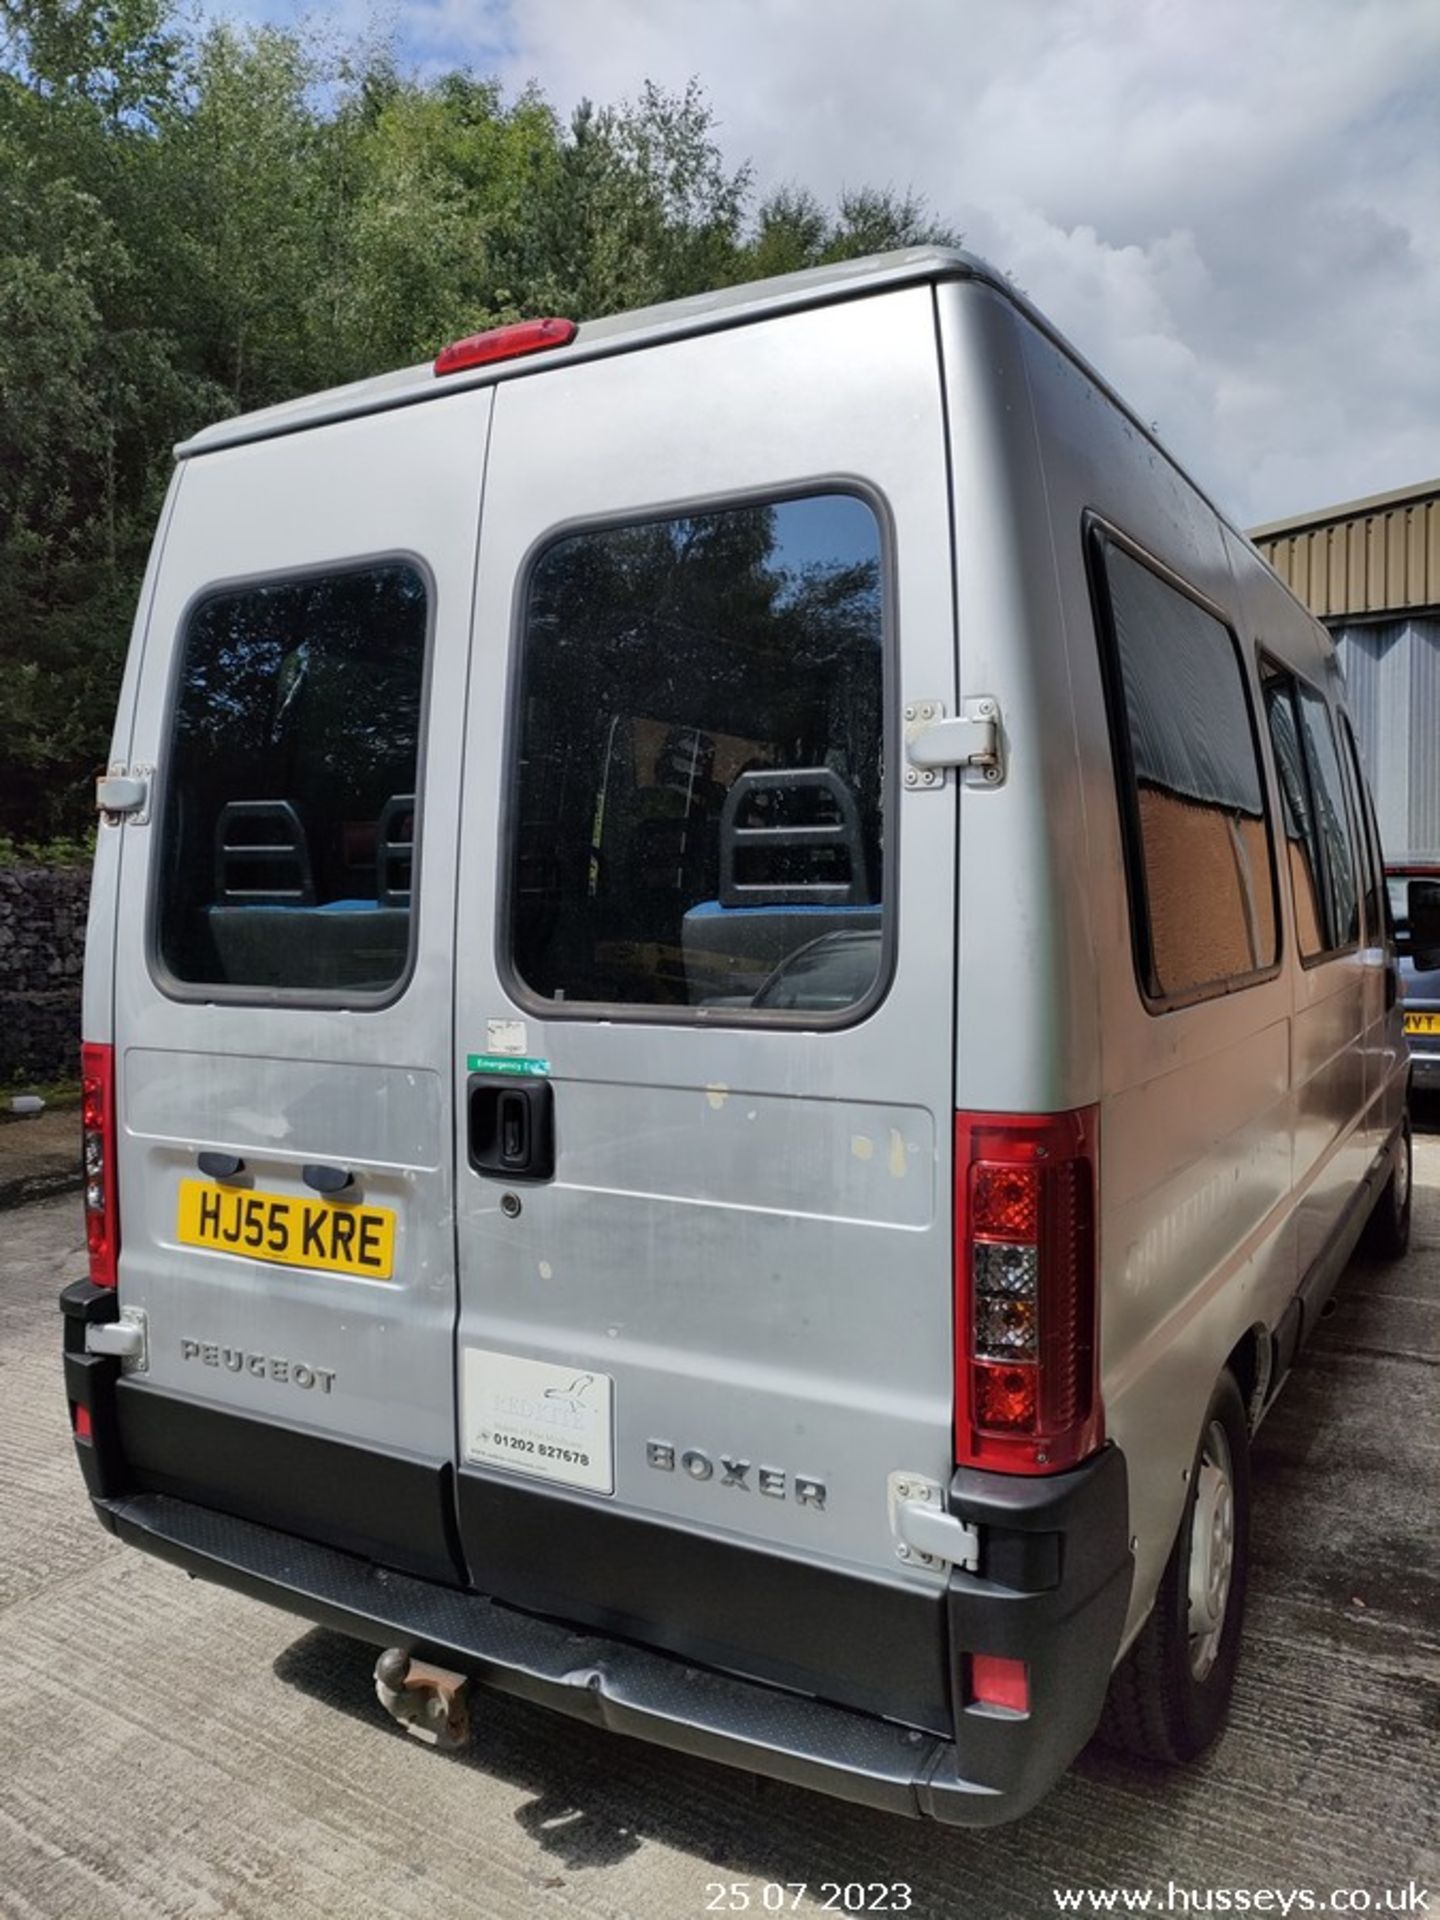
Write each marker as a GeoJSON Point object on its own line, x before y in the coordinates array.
{"type": "Point", "coordinates": [704, 1001]}
{"type": "Point", "coordinates": [283, 981]}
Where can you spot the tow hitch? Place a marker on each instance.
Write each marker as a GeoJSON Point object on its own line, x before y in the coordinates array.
{"type": "Point", "coordinates": [429, 1702]}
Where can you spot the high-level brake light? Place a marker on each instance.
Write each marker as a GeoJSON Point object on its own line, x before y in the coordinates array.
{"type": "Point", "coordinates": [504, 343]}
{"type": "Point", "coordinates": [97, 1120]}
{"type": "Point", "coordinates": [1026, 1391]}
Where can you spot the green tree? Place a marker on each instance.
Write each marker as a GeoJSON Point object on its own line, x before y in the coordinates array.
{"type": "Point", "coordinates": [437, 224]}
{"type": "Point", "coordinates": [793, 230]}
{"type": "Point", "coordinates": [194, 222]}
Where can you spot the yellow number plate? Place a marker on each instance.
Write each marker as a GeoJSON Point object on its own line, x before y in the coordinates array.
{"type": "Point", "coordinates": [327, 1235]}
{"type": "Point", "coordinates": [1422, 1023]}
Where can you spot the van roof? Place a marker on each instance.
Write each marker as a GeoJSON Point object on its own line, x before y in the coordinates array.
{"type": "Point", "coordinates": [674, 320]}
{"type": "Point", "coordinates": [645, 326]}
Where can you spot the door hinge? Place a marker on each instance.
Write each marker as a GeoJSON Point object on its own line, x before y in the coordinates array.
{"type": "Point", "coordinates": [972, 740]}
{"type": "Point", "coordinates": [925, 1534]}
{"type": "Point", "coordinates": [123, 793]}
{"type": "Point", "coordinates": [126, 1339]}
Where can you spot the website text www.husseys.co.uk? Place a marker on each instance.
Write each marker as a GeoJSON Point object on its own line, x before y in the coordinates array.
{"type": "Point", "coordinates": [1284, 1901]}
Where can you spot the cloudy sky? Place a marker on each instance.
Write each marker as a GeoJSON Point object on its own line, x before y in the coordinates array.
{"type": "Point", "coordinates": [1231, 206]}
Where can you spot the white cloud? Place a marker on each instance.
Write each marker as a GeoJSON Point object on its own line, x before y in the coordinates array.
{"type": "Point", "coordinates": [1229, 205]}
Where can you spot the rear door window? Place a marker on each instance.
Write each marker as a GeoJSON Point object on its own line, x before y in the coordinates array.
{"type": "Point", "coordinates": [291, 821]}
{"type": "Point", "coordinates": [699, 813]}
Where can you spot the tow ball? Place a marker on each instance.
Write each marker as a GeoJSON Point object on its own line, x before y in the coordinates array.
{"type": "Point", "coordinates": [430, 1702]}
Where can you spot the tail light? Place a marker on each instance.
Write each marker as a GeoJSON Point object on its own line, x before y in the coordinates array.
{"type": "Point", "coordinates": [996, 1681]}
{"type": "Point", "coordinates": [97, 1118]}
{"type": "Point", "coordinates": [1026, 1389]}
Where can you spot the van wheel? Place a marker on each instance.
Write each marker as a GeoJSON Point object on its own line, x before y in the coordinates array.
{"type": "Point", "coordinates": [1169, 1696]}
{"type": "Point", "coordinates": [1387, 1231]}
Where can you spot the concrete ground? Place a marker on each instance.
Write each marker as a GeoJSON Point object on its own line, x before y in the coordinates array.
{"type": "Point", "coordinates": [39, 1155]}
{"type": "Point", "coordinates": [167, 1748]}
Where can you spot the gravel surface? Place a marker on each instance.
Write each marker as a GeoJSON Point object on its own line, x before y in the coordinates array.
{"type": "Point", "coordinates": [168, 1748]}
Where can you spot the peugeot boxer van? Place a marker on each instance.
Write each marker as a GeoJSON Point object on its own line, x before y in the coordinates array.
{"type": "Point", "coordinates": [739, 1010]}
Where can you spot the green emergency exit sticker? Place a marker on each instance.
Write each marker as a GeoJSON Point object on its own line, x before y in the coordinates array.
{"type": "Point", "coordinates": [506, 1063]}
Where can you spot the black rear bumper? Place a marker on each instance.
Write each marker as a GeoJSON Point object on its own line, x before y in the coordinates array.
{"type": "Point", "coordinates": [1052, 1589]}
{"type": "Point", "coordinates": [625, 1688]}
{"type": "Point", "coordinates": [629, 1689]}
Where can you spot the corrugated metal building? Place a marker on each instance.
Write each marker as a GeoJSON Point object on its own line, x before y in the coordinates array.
{"type": "Point", "coordinates": [1370, 569]}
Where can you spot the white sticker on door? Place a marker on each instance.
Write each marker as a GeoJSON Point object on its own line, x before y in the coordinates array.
{"type": "Point", "coordinates": [532, 1417]}
{"type": "Point", "coordinates": [505, 1036]}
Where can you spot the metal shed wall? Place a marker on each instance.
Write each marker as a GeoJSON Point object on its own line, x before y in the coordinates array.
{"type": "Point", "coordinates": [1392, 672]}
{"type": "Point", "coordinates": [1368, 558]}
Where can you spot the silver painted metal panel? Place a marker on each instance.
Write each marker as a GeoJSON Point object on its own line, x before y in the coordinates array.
{"type": "Point", "coordinates": [1027, 1023]}
{"type": "Point", "coordinates": [280, 1106]}
{"type": "Point", "coordinates": [748, 1230]}
{"type": "Point", "coordinates": [1195, 1126]}
{"type": "Point", "coordinates": [670, 320]}
{"type": "Point", "coordinates": [98, 988]}
{"type": "Point", "coordinates": [871, 1165]}
{"type": "Point", "coordinates": [288, 1085]}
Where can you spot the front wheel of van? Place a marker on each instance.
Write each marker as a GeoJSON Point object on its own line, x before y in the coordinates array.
{"type": "Point", "coordinates": [1387, 1232]}
{"type": "Point", "coordinates": [1169, 1696]}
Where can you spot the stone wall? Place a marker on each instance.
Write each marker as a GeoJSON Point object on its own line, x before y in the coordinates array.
{"type": "Point", "coordinates": [42, 952]}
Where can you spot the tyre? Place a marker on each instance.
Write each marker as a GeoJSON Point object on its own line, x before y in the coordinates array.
{"type": "Point", "coordinates": [1387, 1231]}
{"type": "Point", "coordinates": [1169, 1696]}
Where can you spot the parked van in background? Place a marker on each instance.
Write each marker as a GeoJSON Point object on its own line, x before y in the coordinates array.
{"type": "Point", "coordinates": [1419, 972]}
{"type": "Point", "coordinates": [739, 1009]}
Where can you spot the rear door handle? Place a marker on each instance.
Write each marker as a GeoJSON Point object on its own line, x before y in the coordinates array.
{"type": "Point", "coordinates": [511, 1126]}
{"type": "Point", "coordinates": [514, 1131]}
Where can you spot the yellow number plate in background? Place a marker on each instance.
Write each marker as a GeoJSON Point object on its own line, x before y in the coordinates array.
{"type": "Point", "coordinates": [1422, 1023]}
{"type": "Point", "coordinates": [326, 1235]}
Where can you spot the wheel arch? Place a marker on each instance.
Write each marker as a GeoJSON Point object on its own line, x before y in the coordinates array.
{"type": "Point", "coordinates": [1252, 1361]}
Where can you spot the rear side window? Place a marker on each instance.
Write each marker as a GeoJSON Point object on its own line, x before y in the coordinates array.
{"type": "Point", "coordinates": [1198, 842]}
{"type": "Point", "coordinates": [1372, 868]}
{"type": "Point", "coordinates": [290, 828]}
{"type": "Point", "coordinates": [698, 820]}
{"type": "Point", "coordinates": [1336, 828]}
{"type": "Point", "coordinates": [1320, 849]}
